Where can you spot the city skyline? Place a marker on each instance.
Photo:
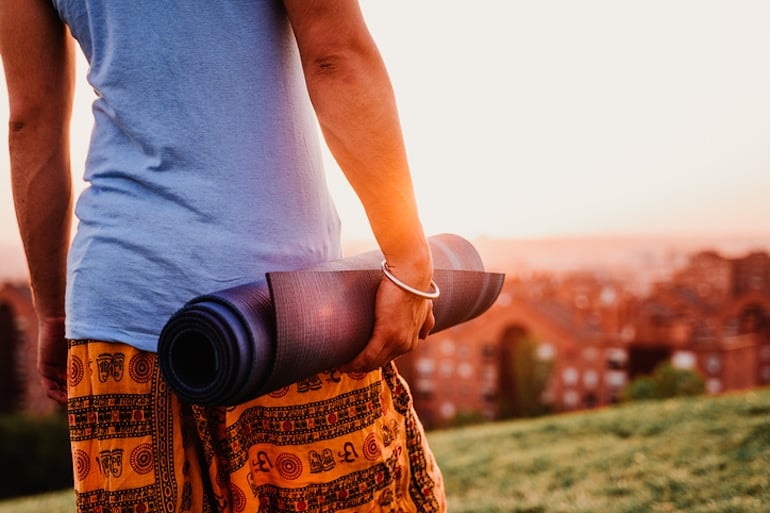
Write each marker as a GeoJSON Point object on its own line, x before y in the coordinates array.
{"type": "Point", "coordinates": [558, 119]}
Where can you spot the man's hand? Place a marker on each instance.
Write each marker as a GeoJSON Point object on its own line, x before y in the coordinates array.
{"type": "Point", "coordinates": [52, 358]}
{"type": "Point", "coordinates": [401, 319]}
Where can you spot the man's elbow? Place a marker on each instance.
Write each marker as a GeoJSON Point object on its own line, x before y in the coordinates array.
{"type": "Point", "coordinates": [334, 63]}
{"type": "Point", "coordinates": [26, 116]}
{"type": "Point", "coordinates": [16, 126]}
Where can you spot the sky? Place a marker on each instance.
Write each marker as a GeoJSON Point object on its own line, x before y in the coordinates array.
{"type": "Point", "coordinates": [563, 118]}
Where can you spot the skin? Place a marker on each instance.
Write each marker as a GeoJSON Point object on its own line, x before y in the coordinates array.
{"type": "Point", "coordinates": [356, 109]}
{"type": "Point", "coordinates": [38, 59]}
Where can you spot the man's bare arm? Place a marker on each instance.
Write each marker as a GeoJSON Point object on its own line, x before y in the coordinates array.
{"type": "Point", "coordinates": [356, 108]}
{"type": "Point", "coordinates": [38, 60]}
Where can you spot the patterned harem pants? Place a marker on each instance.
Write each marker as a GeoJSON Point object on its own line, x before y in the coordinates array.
{"type": "Point", "coordinates": [334, 442]}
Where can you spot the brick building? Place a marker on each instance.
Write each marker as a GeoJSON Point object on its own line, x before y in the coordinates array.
{"type": "Point", "coordinates": [595, 336]}
{"type": "Point", "coordinates": [713, 316]}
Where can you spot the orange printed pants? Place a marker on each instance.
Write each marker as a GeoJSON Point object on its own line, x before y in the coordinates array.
{"type": "Point", "coordinates": [334, 442]}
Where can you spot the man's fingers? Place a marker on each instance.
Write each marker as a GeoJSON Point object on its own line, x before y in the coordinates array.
{"type": "Point", "coordinates": [383, 347]}
{"type": "Point", "coordinates": [401, 320]}
{"type": "Point", "coordinates": [428, 325]}
{"type": "Point", "coordinates": [56, 390]}
{"type": "Point", "coordinates": [377, 353]}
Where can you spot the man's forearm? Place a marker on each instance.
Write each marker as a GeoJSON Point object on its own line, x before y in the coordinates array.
{"type": "Point", "coordinates": [42, 196]}
{"type": "Point", "coordinates": [38, 60]}
{"type": "Point", "coordinates": [356, 108]}
{"type": "Point", "coordinates": [363, 132]}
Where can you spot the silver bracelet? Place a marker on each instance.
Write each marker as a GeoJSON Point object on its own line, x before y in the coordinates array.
{"type": "Point", "coordinates": [434, 294]}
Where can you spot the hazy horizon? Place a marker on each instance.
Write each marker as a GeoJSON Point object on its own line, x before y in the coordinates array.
{"type": "Point", "coordinates": [524, 255]}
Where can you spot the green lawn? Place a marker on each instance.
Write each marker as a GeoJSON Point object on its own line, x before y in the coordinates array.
{"type": "Point", "coordinates": [56, 502]}
{"type": "Point", "coordinates": [696, 455]}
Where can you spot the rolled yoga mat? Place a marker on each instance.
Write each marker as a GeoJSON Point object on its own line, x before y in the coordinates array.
{"type": "Point", "coordinates": [233, 345]}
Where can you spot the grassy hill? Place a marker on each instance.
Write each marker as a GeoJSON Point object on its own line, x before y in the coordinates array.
{"type": "Point", "coordinates": [701, 455]}
{"type": "Point", "coordinates": [697, 455]}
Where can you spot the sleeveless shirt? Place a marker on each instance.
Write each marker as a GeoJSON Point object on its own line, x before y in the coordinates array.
{"type": "Point", "coordinates": [204, 168]}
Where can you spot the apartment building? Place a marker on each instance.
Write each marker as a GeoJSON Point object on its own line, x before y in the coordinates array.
{"type": "Point", "coordinates": [594, 335]}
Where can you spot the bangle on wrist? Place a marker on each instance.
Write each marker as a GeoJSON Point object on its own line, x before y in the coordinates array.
{"type": "Point", "coordinates": [432, 294]}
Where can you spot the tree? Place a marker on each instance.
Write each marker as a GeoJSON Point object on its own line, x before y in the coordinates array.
{"type": "Point", "coordinates": [666, 381]}
{"type": "Point", "coordinates": [523, 375]}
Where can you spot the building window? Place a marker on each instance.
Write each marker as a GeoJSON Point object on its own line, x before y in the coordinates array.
{"type": "Point", "coordinates": [582, 302]}
{"type": "Point", "coordinates": [425, 366]}
{"type": "Point", "coordinates": [713, 364]}
{"type": "Point", "coordinates": [548, 396]}
{"type": "Point", "coordinates": [546, 352]}
{"type": "Point", "coordinates": [447, 347]}
{"type": "Point", "coordinates": [571, 399]}
{"type": "Point", "coordinates": [424, 385]}
{"type": "Point", "coordinates": [713, 386]}
{"type": "Point", "coordinates": [615, 379]}
{"type": "Point", "coordinates": [465, 370]}
{"type": "Point", "coordinates": [569, 376]}
{"type": "Point", "coordinates": [616, 358]}
{"type": "Point", "coordinates": [424, 390]}
{"type": "Point", "coordinates": [489, 396]}
{"type": "Point", "coordinates": [590, 378]}
{"type": "Point", "coordinates": [683, 360]}
{"type": "Point", "coordinates": [448, 410]}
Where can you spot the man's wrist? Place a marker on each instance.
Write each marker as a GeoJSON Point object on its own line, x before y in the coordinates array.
{"type": "Point", "coordinates": [412, 263]}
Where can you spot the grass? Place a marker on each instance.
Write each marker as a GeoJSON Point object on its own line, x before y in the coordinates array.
{"type": "Point", "coordinates": [54, 502]}
{"type": "Point", "coordinates": [700, 455]}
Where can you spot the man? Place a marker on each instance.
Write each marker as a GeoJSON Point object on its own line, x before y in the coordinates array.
{"type": "Point", "coordinates": [204, 172]}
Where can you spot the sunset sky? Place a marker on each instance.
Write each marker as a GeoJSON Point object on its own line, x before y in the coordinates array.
{"type": "Point", "coordinates": [557, 118]}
